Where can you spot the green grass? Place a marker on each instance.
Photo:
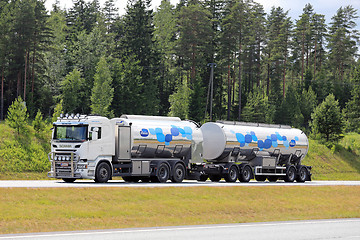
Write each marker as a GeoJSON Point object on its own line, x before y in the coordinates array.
{"type": "Point", "coordinates": [41, 210]}
{"type": "Point", "coordinates": [341, 162]}
{"type": "Point", "coordinates": [26, 152]}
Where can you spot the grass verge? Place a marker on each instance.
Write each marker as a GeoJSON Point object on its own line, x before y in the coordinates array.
{"type": "Point", "coordinates": [41, 210]}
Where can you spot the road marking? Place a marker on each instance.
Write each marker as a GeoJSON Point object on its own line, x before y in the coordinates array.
{"type": "Point", "coordinates": [163, 229]}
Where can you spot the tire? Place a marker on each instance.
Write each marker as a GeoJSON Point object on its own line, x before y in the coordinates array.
{"type": "Point", "coordinates": [302, 175]}
{"type": "Point", "coordinates": [260, 178]}
{"type": "Point", "coordinates": [245, 174]}
{"type": "Point", "coordinates": [178, 173]}
{"type": "Point", "coordinates": [69, 180]}
{"type": "Point", "coordinates": [272, 178]}
{"type": "Point", "coordinates": [103, 173]}
{"type": "Point", "coordinates": [203, 178]}
{"type": "Point", "coordinates": [163, 173]}
{"type": "Point", "coordinates": [290, 175]}
{"type": "Point", "coordinates": [215, 178]}
{"type": "Point", "coordinates": [233, 174]}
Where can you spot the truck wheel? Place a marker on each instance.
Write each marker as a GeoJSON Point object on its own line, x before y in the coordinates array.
{"type": "Point", "coordinates": [215, 178]}
{"type": "Point", "coordinates": [245, 174]}
{"type": "Point", "coordinates": [233, 174]}
{"type": "Point", "coordinates": [178, 173]}
{"type": "Point", "coordinates": [290, 174]}
{"type": "Point", "coordinates": [260, 178]}
{"type": "Point", "coordinates": [69, 180]}
{"type": "Point", "coordinates": [103, 173]}
{"type": "Point", "coordinates": [163, 173]}
{"type": "Point", "coordinates": [272, 178]}
{"type": "Point", "coordinates": [302, 176]}
{"type": "Point", "coordinates": [203, 178]}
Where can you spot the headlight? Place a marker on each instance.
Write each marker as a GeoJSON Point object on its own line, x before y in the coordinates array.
{"type": "Point", "coordinates": [63, 158]}
{"type": "Point", "coordinates": [82, 166]}
{"type": "Point", "coordinates": [67, 158]}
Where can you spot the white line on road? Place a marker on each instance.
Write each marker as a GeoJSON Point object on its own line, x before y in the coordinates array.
{"type": "Point", "coordinates": [180, 228]}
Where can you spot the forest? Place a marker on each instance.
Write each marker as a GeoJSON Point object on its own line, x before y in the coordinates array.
{"type": "Point", "coordinates": [268, 68]}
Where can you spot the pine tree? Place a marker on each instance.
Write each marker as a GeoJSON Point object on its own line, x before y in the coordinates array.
{"type": "Point", "coordinates": [195, 36]}
{"type": "Point", "coordinates": [17, 116]}
{"type": "Point", "coordinates": [102, 92]}
{"type": "Point", "coordinates": [38, 122]}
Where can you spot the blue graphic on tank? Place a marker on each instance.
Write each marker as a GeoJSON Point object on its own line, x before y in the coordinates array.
{"type": "Point", "coordinates": [274, 140]}
{"type": "Point", "coordinates": [175, 131]}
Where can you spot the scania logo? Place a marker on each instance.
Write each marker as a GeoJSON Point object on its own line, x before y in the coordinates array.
{"type": "Point", "coordinates": [65, 146]}
{"type": "Point", "coordinates": [144, 132]}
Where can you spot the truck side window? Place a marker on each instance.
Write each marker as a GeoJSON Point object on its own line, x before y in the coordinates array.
{"type": "Point", "coordinates": [98, 133]}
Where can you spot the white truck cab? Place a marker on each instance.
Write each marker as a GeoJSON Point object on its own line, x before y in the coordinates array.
{"type": "Point", "coordinates": [78, 144]}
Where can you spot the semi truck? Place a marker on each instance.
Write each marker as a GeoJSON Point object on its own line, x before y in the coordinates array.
{"type": "Point", "coordinates": [159, 149]}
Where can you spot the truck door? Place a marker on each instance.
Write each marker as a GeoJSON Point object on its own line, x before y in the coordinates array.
{"type": "Point", "coordinates": [124, 142]}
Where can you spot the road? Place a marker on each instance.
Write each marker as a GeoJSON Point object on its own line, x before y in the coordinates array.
{"type": "Point", "coordinates": [295, 230]}
{"type": "Point", "coordinates": [120, 183]}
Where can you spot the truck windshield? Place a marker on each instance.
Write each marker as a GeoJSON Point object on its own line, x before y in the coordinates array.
{"type": "Point", "coordinates": [73, 133]}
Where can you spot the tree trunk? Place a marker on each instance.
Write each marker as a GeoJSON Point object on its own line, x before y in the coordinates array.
{"type": "Point", "coordinates": [314, 77]}
{"type": "Point", "coordinates": [33, 71]}
{"type": "Point", "coordinates": [18, 87]}
{"type": "Point", "coordinates": [268, 77]}
{"type": "Point", "coordinates": [2, 94]}
{"type": "Point", "coordinates": [229, 93]}
{"type": "Point", "coordinates": [25, 73]}
{"type": "Point", "coordinates": [240, 49]}
{"type": "Point", "coordinates": [284, 78]}
{"type": "Point", "coordinates": [302, 58]}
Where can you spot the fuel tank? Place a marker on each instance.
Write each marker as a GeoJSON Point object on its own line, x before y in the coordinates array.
{"type": "Point", "coordinates": [222, 138]}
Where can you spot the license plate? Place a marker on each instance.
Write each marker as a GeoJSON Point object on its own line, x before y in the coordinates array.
{"type": "Point", "coordinates": [64, 164]}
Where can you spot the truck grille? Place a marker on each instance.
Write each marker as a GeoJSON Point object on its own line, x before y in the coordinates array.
{"type": "Point", "coordinates": [63, 163]}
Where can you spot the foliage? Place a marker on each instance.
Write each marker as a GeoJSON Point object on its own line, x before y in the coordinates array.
{"type": "Point", "coordinates": [289, 66]}
{"type": "Point", "coordinates": [25, 152]}
{"type": "Point", "coordinates": [72, 92]}
{"type": "Point", "coordinates": [102, 92]}
{"type": "Point", "coordinates": [179, 101]}
{"type": "Point", "coordinates": [57, 111]}
{"type": "Point", "coordinates": [327, 120]}
{"type": "Point", "coordinates": [17, 116]}
{"type": "Point", "coordinates": [352, 109]}
{"type": "Point", "coordinates": [340, 162]}
{"type": "Point", "coordinates": [38, 123]}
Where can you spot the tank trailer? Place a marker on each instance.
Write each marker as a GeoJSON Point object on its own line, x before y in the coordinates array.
{"type": "Point", "coordinates": [158, 149]}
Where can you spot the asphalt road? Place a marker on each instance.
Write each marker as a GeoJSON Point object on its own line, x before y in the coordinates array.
{"type": "Point", "coordinates": [120, 183]}
{"type": "Point", "coordinates": [348, 229]}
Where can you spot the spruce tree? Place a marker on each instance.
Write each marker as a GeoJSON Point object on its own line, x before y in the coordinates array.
{"type": "Point", "coordinates": [102, 92]}
{"type": "Point", "coordinates": [352, 109]}
{"type": "Point", "coordinates": [72, 92]}
{"type": "Point", "coordinates": [327, 120]}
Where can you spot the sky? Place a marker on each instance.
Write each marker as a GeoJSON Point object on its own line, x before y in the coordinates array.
{"type": "Point", "coordinates": [295, 7]}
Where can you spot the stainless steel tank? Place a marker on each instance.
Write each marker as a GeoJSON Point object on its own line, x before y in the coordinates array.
{"type": "Point", "coordinates": [221, 139]}
{"type": "Point", "coordinates": [159, 137]}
